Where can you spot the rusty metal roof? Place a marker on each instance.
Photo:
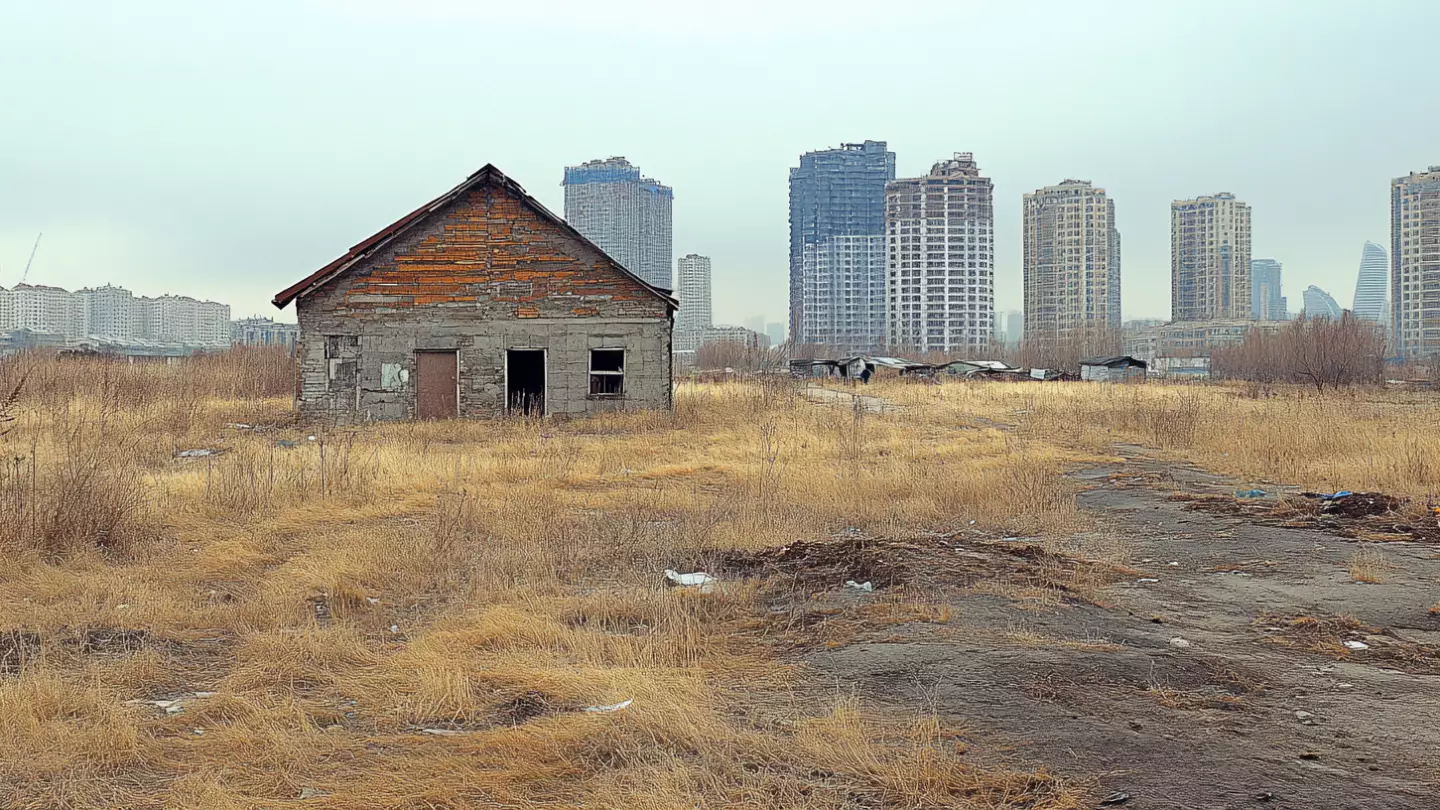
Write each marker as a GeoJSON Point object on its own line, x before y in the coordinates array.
{"type": "Point", "coordinates": [488, 174]}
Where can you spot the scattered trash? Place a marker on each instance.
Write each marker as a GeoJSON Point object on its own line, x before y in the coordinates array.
{"type": "Point", "coordinates": [1115, 800]}
{"type": "Point", "coordinates": [241, 426]}
{"type": "Point", "coordinates": [199, 732]}
{"type": "Point", "coordinates": [1147, 560]}
{"type": "Point", "coordinates": [1179, 643]}
{"type": "Point", "coordinates": [1251, 493]}
{"type": "Point", "coordinates": [1146, 579]}
{"type": "Point", "coordinates": [1343, 685]}
{"type": "Point", "coordinates": [197, 453]}
{"type": "Point", "coordinates": [374, 600]}
{"type": "Point", "coordinates": [1305, 718]}
{"type": "Point", "coordinates": [172, 706]}
{"type": "Point", "coordinates": [311, 793]}
{"type": "Point", "coordinates": [865, 586]}
{"type": "Point", "coordinates": [1267, 796]}
{"type": "Point", "coordinates": [285, 443]}
{"type": "Point", "coordinates": [1355, 645]}
{"type": "Point", "coordinates": [614, 707]}
{"type": "Point", "coordinates": [1335, 496]}
{"type": "Point", "coordinates": [697, 579]}
{"type": "Point", "coordinates": [1173, 564]}
{"type": "Point", "coordinates": [395, 628]}
{"type": "Point", "coordinates": [310, 438]}
{"type": "Point", "coordinates": [122, 607]}
{"type": "Point", "coordinates": [1012, 539]}
{"type": "Point", "coordinates": [443, 732]}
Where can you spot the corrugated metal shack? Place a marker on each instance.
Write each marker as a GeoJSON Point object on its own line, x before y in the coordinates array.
{"type": "Point", "coordinates": [1121, 369]}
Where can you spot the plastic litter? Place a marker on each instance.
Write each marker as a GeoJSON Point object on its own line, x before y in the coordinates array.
{"type": "Point", "coordinates": [311, 793]}
{"type": "Point", "coordinates": [1251, 493]}
{"type": "Point", "coordinates": [443, 732]}
{"type": "Point", "coordinates": [1146, 579]}
{"type": "Point", "coordinates": [374, 600]}
{"type": "Point", "coordinates": [1335, 496]}
{"type": "Point", "coordinates": [1355, 645]}
{"type": "Point", "coordinates": [196, 453]}
{"type": "Point", "coordinates": [1115, 800]}
{"type": "Point", "coordinates": [1267, 796]}
{"type": "Point", "coordinates": [1173, 564]}
{"type": "Point", "coordinates": [241, 426]}
{"type": "Point", "coordinates": [285, 443]}
{"type": "Point", "coordinates": [1180, 643]}
{"type": "Point", "coordinates": [1305, 718]}
{"type": "Point", "coordinates": [614, 707]}
{"type": "Point", "coordinates": [696, 579]}
{"type": "Point", "coordinates": [865, 586]}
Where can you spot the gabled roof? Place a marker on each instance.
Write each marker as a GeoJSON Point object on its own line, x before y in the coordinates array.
{"type": "Point", "coordinates": [489, 174]}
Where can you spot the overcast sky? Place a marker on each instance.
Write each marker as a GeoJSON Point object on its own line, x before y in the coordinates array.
{"type": "Point", "coordinates": [225, 150]}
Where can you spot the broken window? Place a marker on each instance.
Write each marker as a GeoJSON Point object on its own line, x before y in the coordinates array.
{"type": "Point", "coordinates": [607, 372]}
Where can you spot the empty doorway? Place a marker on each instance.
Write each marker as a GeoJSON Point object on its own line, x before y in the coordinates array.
{"type": "Point", "coordinates": [438, 389]}
{"type": "Point", "coordinates": [525, 381]}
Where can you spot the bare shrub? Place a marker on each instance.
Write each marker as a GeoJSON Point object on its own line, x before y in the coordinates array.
{"type": "Point", "coordinates": [1323, 352]}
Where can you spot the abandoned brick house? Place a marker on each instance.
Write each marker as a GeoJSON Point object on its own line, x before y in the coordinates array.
{"type": "Point", "coordinates": [478, 303]}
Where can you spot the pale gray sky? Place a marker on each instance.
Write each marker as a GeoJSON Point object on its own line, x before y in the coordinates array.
{"type": "Point", "coordinates": [225, 150]}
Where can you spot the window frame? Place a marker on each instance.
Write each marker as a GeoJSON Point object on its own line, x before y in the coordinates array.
{"type": "Point", "coordinates": [599, 375]}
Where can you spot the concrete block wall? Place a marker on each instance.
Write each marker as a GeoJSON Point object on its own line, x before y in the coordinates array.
{"type": "Point", "coordinates": [484, 275]}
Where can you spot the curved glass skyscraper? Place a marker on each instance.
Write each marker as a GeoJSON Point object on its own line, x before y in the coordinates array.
{"type": "Point", "coordinates": [1319, 304]}
{"type": "Point", "coordinates": [1373, 283]}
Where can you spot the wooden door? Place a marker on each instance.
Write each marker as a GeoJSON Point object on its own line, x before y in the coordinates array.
{"type": "Point", "coordinates": [438, 390]}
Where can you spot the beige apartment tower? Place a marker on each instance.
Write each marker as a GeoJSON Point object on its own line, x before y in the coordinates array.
{"type": "Point", "coordinates": [940, 267]}
{"type": "Point", "coordinates": [1072, 263]}
{"type": "Point", "coordinates": [1209, 259]}
{"type": "Point", "coordinates": [1415, 263]}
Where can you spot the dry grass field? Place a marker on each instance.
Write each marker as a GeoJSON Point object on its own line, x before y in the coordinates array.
{"type": "Point", "coordinates": [423, 615]}
{"type": "Point", "coordinates": [419, 615]}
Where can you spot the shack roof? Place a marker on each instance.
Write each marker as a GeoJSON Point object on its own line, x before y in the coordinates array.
{"type": "Point", "coordinates": [487, 175]}
{"type": "Point", "coordinates": [1118, 361]}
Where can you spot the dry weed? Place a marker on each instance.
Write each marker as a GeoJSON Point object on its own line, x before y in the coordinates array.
{"type": "Point", "coordinates": [1369, 565]}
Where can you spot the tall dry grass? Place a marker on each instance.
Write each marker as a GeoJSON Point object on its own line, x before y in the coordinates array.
{"type": "Point", "coordinates": [418, 614]}
{"type": "Point", "coordinates": [1359, 439]}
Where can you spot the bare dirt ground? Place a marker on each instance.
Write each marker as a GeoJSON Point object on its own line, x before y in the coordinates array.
{"type": "Point", "coordinates": [1208, 671]}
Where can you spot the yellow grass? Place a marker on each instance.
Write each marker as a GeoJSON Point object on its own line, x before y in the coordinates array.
{"type": "Point", "coordinates": [1369, 565]}
{"type": "Point", "coordinates": [1360, 439]}
{"type": "Point", "coordinates": [487, 580]}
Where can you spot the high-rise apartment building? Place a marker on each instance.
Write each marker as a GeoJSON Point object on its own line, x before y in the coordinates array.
{"type": "Point", "coordinates": [626, 214]}
{"type": "Point", "coordinates": [837, 193]}
{"type": "Point", "coordinates": [1372, 284]}
{"type": "Point", "coordinates": [1320, 304]}
{"type": "Point", "coordinates": [844, 293]}
{"type": "Point", "coordinates": [1266, 301]}
{"type": "Point", "coordinates": [1209, 258]}
{"type": "Point", "coordinates": [940, 293]}
{"type": "Point", "coordinates": [692, 289]}
{"type": "Point", "coordinates": [113, 314]}
{"type": "Point", "coordinates": [1072, 262]}
{"type": "Point", "coordinates": [1415, 263]}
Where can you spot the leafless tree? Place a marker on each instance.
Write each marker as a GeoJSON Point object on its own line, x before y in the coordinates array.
{"type": "Point", "coordinates": [1323, 352]}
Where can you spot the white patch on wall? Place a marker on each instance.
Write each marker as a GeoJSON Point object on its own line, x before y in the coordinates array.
{"type": "Point", "coordinates": [393, 375]}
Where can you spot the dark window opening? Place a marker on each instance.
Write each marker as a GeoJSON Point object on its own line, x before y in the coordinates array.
{"type": "Point", "coordinates": [607, 372]}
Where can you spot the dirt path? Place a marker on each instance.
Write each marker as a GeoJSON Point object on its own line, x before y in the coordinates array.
{"type": "Point", "coordinates": [1205, 688]}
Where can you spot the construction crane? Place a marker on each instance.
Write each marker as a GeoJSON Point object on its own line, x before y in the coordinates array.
{"type": "Point", "coordinates": [36, 247]}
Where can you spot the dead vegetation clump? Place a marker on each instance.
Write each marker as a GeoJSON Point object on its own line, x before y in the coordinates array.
{"type": "Point", "coordinates": [1347, 638]}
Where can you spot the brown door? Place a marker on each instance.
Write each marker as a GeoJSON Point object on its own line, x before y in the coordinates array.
{"type": "Point", "coordinates": [438, 385]}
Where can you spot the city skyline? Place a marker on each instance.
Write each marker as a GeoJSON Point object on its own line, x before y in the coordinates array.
{"type": "Point", "coordinates": [126, 185]}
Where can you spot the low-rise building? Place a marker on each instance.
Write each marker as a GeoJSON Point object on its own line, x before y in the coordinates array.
{"type": "Point", "coordinates": [264, 332]}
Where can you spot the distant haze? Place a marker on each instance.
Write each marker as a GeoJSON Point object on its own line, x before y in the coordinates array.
{"type": "Point", "coordinates": [226, 150]}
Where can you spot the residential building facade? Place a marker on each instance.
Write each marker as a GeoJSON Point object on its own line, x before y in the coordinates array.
{"type": "Point", "coordinates": [1372, 284]}
{"type": "Point", "coordinates": [1320, 304]}
{"type": "Point", "coordinates": [940, 293]}
{"type": "Point", "coordinates": [692, 290]}
{"type": "Point", "coordinates": [1071, 262]}
{"type": "Point", "coordinates": [625, 213]}
{"type": "Point", "coordinates": [1210, 258]}
{"type": "Point", "coordinates": [837, 193]}
{"type": "Point", "coordinates": [844, 294]}
{"type": "Point", "coordinates": [264, 333]}
{"type": "Point", "coordinates": [113, 315]}
{"type": "Point", "coordinates": [1415, 263]}
{"type": "Point", "coordinates": [1266, 301]}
